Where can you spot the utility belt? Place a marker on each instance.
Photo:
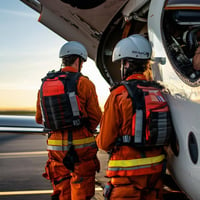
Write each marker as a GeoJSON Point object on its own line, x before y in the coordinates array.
{"type": "Point", "coordinates": [128, 140]}
{"type": "Point", "coordinates": [125, 140]}
{"type": "Point", "coordinates": [84, 123]}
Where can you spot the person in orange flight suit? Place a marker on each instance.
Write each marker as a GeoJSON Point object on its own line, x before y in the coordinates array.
{"type": "Point", "coordinates": [134, 173]}
{"type": "Point", "coordinates": [196, 59]}
{"type": "Point", "coordinates": [79, 183]}
{"type": "Point", "coordinates": [148, 72]}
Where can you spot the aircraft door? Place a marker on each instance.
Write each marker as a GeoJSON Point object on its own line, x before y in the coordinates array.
{"type": "Point", "coordinates": [155, 37]}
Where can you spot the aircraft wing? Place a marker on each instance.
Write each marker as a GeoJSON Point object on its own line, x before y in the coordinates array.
{"type": "Point", "coordinates": [19, 124]}
{"type": "Point", "coordinates": [98, 24]}
{"type": "Point", "coordinates": [72, 23]}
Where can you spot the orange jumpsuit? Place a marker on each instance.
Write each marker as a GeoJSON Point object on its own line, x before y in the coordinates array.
{"type": "Point", "coordinates": [79, 184]}
{"type": "Point", "coordinates": [135, 173]}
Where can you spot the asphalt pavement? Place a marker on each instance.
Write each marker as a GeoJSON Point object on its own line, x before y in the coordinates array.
{"type": "Point", "coordinates": [22, 161]}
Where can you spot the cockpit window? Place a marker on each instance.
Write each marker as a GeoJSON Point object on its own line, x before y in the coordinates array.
{"type": "Point", "coordinates": [181, 31]}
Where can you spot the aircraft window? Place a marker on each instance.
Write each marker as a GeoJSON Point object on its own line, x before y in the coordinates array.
{"type": "Point", "coordinates": [185, 17]}
{"type": "Point", "coordinates": [181, 32]}
{"type": "Point", "coordinates": [193, 147]}
{"type": "Point", "coordinates": [181, 4]}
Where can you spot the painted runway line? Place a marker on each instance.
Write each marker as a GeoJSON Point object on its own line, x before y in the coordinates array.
{"type": "Point", "coordinates": [23, 154]}
{"type": "Point", "coordinates": [31, 192]}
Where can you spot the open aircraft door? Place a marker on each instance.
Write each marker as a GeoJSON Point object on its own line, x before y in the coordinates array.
{"type": "Point", "coordinates": [169, 23]}
{"type": "Point", "coordinates": [82, 22]}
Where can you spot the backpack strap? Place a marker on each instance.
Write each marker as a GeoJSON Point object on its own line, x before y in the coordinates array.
{"type": "Point", "coordinates": [71, 81]}
{"type": "Point", "coordinates": [70, 85]}
{"type": "Point", "coordinates": [138, 102]}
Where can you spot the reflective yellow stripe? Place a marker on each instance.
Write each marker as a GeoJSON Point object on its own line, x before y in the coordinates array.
{"type": "Point", "coordinates": [75, 142]}
{"type": "Point", "coordinates": [136, 162]}
{"type": "Point", "coordinates": [66, 148]}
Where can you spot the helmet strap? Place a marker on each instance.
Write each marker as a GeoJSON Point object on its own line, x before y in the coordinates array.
{"type": "Point", "coordinates": [79, 64]}
{"type": "Point", "coordinates": [124, 70]}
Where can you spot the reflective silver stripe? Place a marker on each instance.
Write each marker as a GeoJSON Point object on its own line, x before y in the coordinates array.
{"type": "Point", "coordinates": [74, 104]}
{"type": "Point", "coordinates": [162, 128]}
{"type": "Point", "coordinates": [132, 168]}
{"type": "Point", "coordinates": [127, 168]}
{"type": "Point", "coordinates": [126, 139]}
{"type": "Point", "coordinates": [66, 148]}
{"type": "Point", "coordinates": [58, 148]}
{"type": "Point", "coordinates": [138, 126]}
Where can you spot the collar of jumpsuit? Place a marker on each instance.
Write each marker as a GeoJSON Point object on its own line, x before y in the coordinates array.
{"type": "Point", "coordinates": [68, 69]}
{"type": "Point", "coordinates": [136, 76]}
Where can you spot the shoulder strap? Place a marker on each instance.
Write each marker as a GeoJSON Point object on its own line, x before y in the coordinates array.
{"type": "Point", "coordinates": [115, 85]}
{"type": "Point", "coordinates": [135, 93]}
{"type": "Point", "coordinates": [70, 85]}
{"type": "Point", "coordinates": [52, 74]}
{"type": "Point", "coordinates": [138, 102]}
{"type": "Point", "coordinates": [71, 81]}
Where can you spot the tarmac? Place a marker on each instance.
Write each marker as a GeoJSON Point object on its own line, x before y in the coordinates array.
{"type": "Point", "coordinates": [101, 180]}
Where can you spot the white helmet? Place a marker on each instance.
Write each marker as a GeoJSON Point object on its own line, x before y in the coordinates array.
{"type": "Point", "coordinates": [73, 48]}
{"type": "Point", "coordinates": [134, 46]}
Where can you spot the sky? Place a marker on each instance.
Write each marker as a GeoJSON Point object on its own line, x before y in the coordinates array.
{"type": "Point", "coordinates": [28, 50]}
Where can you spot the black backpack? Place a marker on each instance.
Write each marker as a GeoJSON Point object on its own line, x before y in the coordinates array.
{"type": "Point", "coordinates": [59, 100]}
{"type": "Point", "coordinates": [151, 121]}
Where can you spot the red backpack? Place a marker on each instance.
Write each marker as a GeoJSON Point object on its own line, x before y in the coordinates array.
{"type": "Point", "coordinates": [59, 100]}
{"type": "Point", "coordinates": [151, 121]}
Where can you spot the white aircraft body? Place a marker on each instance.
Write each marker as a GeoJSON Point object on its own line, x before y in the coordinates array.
{"type": "Point", "coordinates": [173, 28]}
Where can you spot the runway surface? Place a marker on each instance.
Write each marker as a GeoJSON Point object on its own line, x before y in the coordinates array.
{"type": "Point", "coordinates": [22, 161]}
